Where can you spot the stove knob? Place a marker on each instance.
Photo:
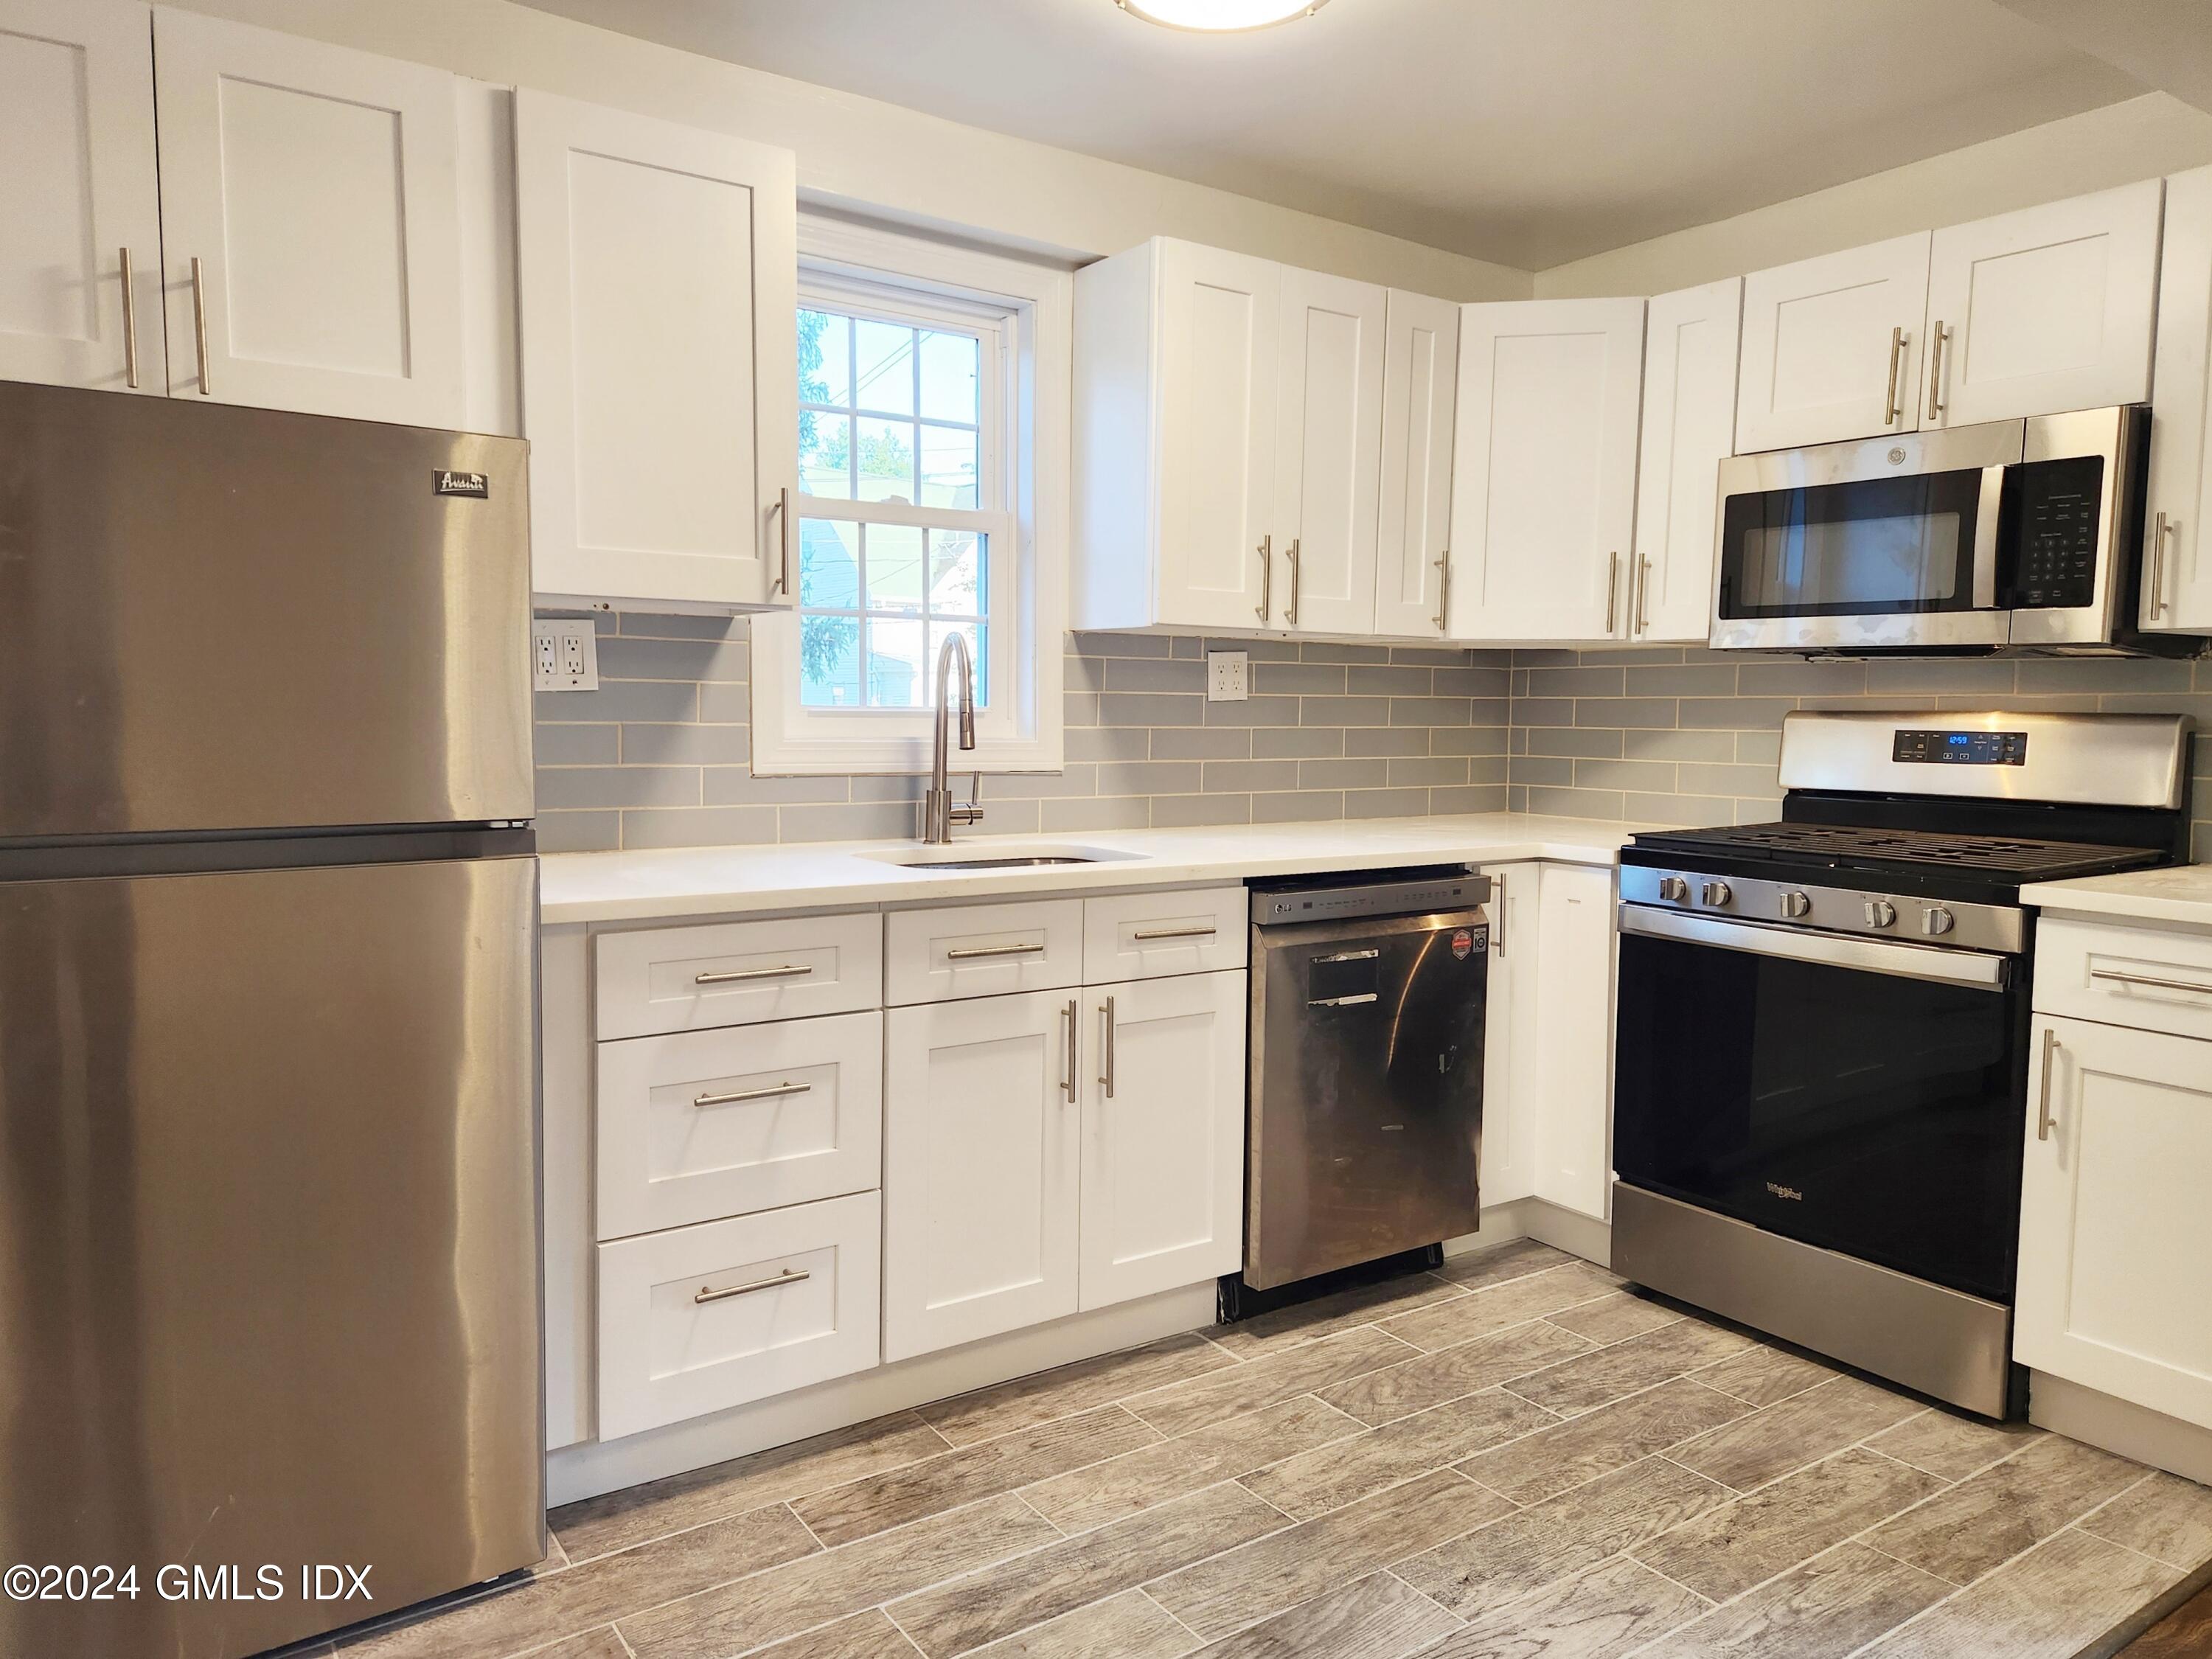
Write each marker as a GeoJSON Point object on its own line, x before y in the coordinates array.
{"type": "Point", "coordinates": [1936, 919]}
{"type": "Point", "coordinates": [1795, 905]}
{"type": "Point", "coordinates": [1881, 913]}
{"type": "Point", "coordinates": [1675, 889]}
{"type": "Point", "coordinates": [1715, 893]}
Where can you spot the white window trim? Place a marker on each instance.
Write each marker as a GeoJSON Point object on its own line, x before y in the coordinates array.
{"type": "Point", "coordinates": [1021, 732]}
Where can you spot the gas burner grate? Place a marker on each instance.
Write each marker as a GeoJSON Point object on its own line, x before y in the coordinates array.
{"type": "Point", "coordinates": [2001, 855]}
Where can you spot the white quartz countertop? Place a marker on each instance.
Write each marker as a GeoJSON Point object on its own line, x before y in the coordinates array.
{"type": "Point", "coordinates": [702, 881]}
{"type": "Point", "coordinates": [2180, 896]}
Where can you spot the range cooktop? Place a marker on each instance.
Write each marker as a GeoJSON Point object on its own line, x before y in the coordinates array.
{"type": "Point", "coordinates": [1999, 860]}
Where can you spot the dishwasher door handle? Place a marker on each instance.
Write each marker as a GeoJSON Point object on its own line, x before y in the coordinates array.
{"type": "Point", "coordinates": [1343, 1002]}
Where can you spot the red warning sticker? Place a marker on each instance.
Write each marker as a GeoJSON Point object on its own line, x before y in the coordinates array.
{"type": "Point", "coordinates": [1462, 942]}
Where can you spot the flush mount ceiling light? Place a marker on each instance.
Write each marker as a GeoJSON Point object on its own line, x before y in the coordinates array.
{"type": "Point", "coordinates": [1219, 16]}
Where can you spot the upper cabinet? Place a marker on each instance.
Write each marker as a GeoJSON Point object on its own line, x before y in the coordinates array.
{"type": "Point", "coordinates": [1228, 433]}
{"type": "Point", "coordinates": [1413, 541]}
{"type": "Point", "coordinates": [1832, 346]}
{"type": "Point", "coordinates": [1544, 469]}
{"type": "Point", "coordinates": [1689, 425]}
{"type": "Point", "coordinates": [79, 197]}
{"type": "Point", "coordinates": [2177, 580]}
{"type": "Point", "coordinates": [658, 293]}
{"type": "Point", "coordinates": [2043, 310]}
{"type": "Point", "coordinates": [310, 224]}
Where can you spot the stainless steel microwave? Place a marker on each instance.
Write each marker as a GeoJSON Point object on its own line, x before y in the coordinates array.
{"type": "Point", "coordinates": [2012, 535]}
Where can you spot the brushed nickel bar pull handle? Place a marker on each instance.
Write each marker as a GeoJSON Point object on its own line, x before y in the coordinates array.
{"type": "Point", "coordinates": [1612, 590]}
{"type": "Point", "coordinates": [753, 1094]}
{"type": "Point", "coordinates": [1107, 1076]}
{"type": "Point", "coordinates": [781, 509]}
{"type": "Point", "coordinates": [130, 326]}
{"type": "Point", "coordinates": [1291, 613]}
{"type": "Point", "coordinates": [735, 975]}
{"type": "Point", "coordinates": [1068, 1071]}
{"type": "Point", "coordinates": [1644, 595]}
{"type": "Point", "coordinates": [1498, 921]}
{"type": "Point", "coordinates": [1893, 411]}
{"type": "Point", "coordinates": [969, 953]}
{"type": "Point", "coordinates": [2158, 568]}
{"type": "Point", "coordinates": [1350, 955]}
{"type": "Point", "coordinates": [788, 1276]}
{"type": "Point", "coordinates": [199, 325]}
{"type": "Point", "coordinates": [2154, 984]}
{"type": "Point", "coordinates": [1266, 576]}
{"type": "Point", "coordinates": [2042, 1105]}
{"type": "Point", "coordinates": [1206, 931]}
{"type": "Point", "coordinates": [1342, 1002]}
{"type": "Point", "coordinates": [1443, 591]}
{"type": "Point", "coordinates": [1935, 368]}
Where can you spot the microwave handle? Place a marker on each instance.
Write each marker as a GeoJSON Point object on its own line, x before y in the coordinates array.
{"type": "Point", "coordinates": [1985, 538]}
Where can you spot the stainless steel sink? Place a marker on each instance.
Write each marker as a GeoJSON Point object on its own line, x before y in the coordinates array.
{"type": "Point", "coordinates": [999, 864]}
{"type": "Point", "coordinates": [1020, 855]}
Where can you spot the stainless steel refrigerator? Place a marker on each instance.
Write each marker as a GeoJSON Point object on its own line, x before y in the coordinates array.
{"type": "Point", "coordinates": [269, 1282]}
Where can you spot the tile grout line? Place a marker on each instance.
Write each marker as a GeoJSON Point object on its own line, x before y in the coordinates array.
{"type": "Point", "coordinates": [1391, 1572]}
{"type": "Point", "coordinates": [1171, 1612]}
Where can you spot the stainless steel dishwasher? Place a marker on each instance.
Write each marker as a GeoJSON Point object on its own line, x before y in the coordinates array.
{"type": "Point", "coordinates": [1366, 1091]}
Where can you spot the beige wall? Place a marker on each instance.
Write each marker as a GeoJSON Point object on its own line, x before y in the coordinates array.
{"type": "Point", "coordinates": [2140, 138]}
{"type": "Point", "coordinates": [865, 153]}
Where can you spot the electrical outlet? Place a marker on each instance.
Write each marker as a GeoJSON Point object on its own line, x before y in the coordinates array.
{"type": "Point", "coordinates": [1228, 677]}
{"type": "Point", "coordinates": [564, 654]}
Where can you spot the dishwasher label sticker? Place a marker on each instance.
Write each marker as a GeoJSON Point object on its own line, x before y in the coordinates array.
{"type": "Point", "coordinates": [1462, 942]}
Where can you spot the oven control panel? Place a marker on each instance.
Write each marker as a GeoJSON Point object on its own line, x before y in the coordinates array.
{"type": "Point", "coordinates": [1960, 748]}
{"type": "Point", "coordinates": [1793, 905]}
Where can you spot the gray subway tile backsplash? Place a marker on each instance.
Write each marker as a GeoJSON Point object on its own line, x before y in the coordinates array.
{"type": "Point", "coordinates": [659, 757]}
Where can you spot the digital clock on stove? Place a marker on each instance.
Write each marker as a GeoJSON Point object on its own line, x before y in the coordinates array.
{"type": "Point", "coordinates": [1960, 748]}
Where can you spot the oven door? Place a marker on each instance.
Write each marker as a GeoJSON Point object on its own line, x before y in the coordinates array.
{"type": "Point", "coordinates": [1855, 1094]}
{"type": "Point", "coordinates": [1888, 542]}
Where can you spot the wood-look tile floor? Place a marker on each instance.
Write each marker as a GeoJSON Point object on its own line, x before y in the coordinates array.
{"type": "Point", "coordinates": [1512, 1456]}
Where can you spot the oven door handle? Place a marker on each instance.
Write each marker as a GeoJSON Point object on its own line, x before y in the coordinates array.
{"type": "Point", "coordinates": [1976, 969]}
{"type": "Point", "coordinates": [1986, 514]}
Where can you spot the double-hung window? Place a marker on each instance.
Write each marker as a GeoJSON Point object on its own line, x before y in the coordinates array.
{"type": "Point", "coordinates": [922, 511]}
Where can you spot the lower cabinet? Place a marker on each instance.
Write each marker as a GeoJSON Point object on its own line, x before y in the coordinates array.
{"type": "Point", "coordinates": [2114, 1228]}
{"type": "Point", "coordinates": [1512, 1053]}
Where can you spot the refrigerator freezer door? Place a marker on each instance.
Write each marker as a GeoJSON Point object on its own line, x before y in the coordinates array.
{"type": "Point", "coordinates": [215, 617]}
{"type": "Point", "coordinates": [269, 1285]}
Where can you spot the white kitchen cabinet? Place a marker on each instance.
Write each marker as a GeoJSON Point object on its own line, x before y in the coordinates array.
{"type": "Point", "coordinates": [2043, 310]}
{"type": "Point", "coordinates": [1573, 1020]}
{"type": "Point", "coordinates": [1162, 1081]}
{"type": "Point", "coordinates": [2114, 1230]}
{"type": "Point", "coordinates": [982, 1155]}
{"type": "Point", "coordinates": [1544, 468]}
{"type": "Point", "coordinates": [79, 195]}
{"type": "Point", "coordinates": [982, 949]}
{"type": "Point", "coordinates": [1153, 934]}
{"type": "Point", "coordinates": [1512, 1051]}
{"type": "Point", "coordinates": [310, 224]}
{"type": "Point", "coordinates": [1328, 442]}
{"type": "Point", "coordinates": [1832, 346]}
{"type": "Point", "coordinates": [658, 294]}
{"type": "Point", "coordinates": [1690, 352]}
{"type": "Point", "coordinates": [1412, 543]}
{"type": "Point", "coordinates": [2177, 585]}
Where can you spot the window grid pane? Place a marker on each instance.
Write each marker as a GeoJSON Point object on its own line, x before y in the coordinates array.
{"type": "Point", "coordinates": [911, 586]}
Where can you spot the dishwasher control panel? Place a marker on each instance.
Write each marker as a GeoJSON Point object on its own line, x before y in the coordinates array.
{"type": "Point", "coordinates": [1366, 893]}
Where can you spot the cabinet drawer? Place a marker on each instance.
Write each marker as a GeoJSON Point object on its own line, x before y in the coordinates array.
{"type": "Point", "coordinates": [1151, 935]}
{"type": "Point", "coordinates": [685, 979]}
{"type": "Point", "coordinates": [697, 1125]}
{"type": "Point", "coordinates": [2147, 977]}
{"type": "Point", "coordinates": [982, 951]}
{"type": "Point", "coordinates": [703, 1318]}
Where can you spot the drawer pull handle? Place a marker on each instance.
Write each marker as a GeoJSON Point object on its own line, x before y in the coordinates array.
{"type": "Point", "coordinates": [2043, 1103]}
{"type": "Point", "coordinates": [770, 1093]}
{"type": "Point", "coordinates": [1341, 1002]}
{"type": "Point", "coordinates": [969, 953]}
{"type": "Point", "coordinates": [2156, 984]}
{"type": "Point", "coordinates": [788, 1276]}
{"type": "Point", "coordinates": [1206, 931]}
{"type": "Point", "coordinates": [789, 971]}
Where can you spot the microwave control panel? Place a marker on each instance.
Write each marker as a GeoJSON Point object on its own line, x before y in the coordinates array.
{"type": "Point", "coordinates": [1960, 748]}
{"type": "Point", "coordinates": [2053, 515]}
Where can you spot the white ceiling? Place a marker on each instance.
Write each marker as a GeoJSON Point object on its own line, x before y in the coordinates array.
{"type": "Point", "coordinates": [1529, 132]}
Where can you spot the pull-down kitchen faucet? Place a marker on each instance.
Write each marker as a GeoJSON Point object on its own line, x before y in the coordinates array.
{"type": "Point", "coordinates": [939, 814]}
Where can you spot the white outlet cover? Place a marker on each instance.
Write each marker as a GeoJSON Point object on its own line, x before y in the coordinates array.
{"type": "Point", "coordinates": [564, 654]}
{"type": "Point", "coordinates": [1228, 677]}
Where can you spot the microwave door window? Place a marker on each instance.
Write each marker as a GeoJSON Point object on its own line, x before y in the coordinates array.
{"type": "Point", "coordinates": [1883, 547]}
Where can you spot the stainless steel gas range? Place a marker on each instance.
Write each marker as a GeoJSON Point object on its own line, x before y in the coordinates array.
{"type": "Point", "coordinates": [1821, 1077]}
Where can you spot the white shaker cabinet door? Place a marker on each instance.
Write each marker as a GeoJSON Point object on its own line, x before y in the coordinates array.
{"type": "Point", "coordinates": [2177, 579]}
{"type": "Point", "coordinates": [1412, 543]}
{"type": "Point", "coordinates": [1218, 344]}
{"type": "Point", "coordinates": [1574, 1031]}
{"type": "Point", "coordinates": [1689, 425]}
{"type": "Point", "coordinates": [658, 294]}
{"type": "Point", "coordinates": [2045, 310]}
{"type": "Point", "coordinates": [2114, 1230]}
{"type": "Point", "coordinates": [1163, 1088]}
{"type": "Point", "coordinates": [1328, 436]}
{"type": "Point", "coordinates": [1832, 347]}
{"type": "Point", "coordinates": [1544, 468]}
{"type": "Point", "coordinates": [310, 224]}
{"type": "Point", "coordinates": [1513, 1106]}
{"type": "Point", "coordinates": [78, 196]}
{"type": "Point", "coordinates": [981, 1151]}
